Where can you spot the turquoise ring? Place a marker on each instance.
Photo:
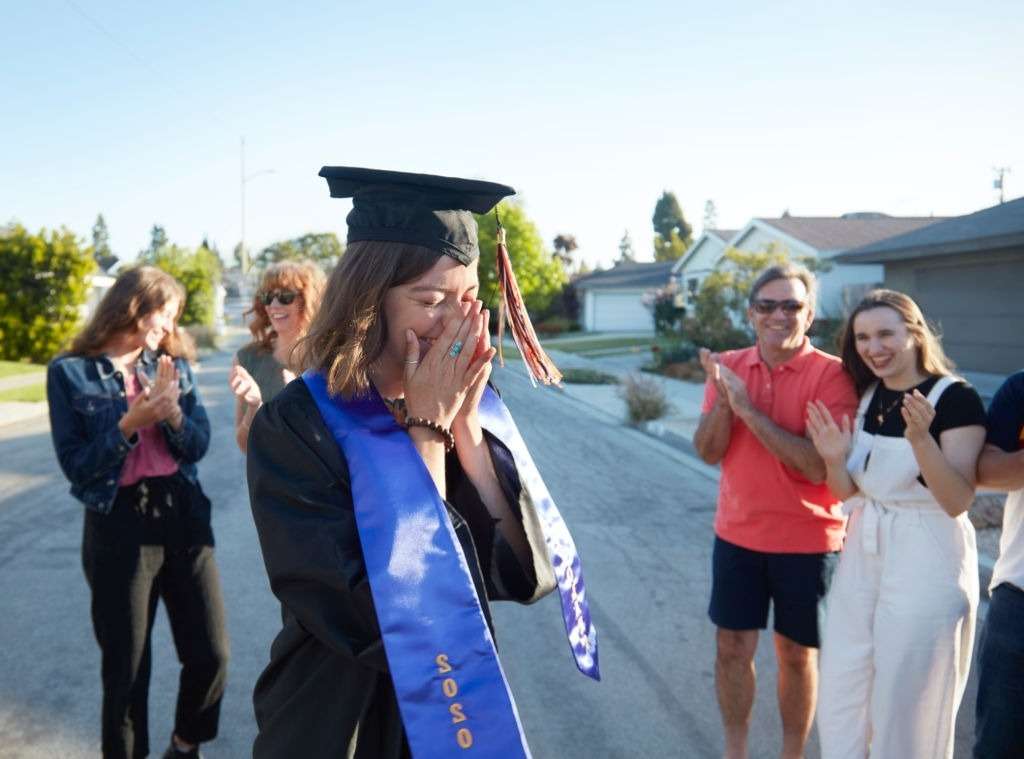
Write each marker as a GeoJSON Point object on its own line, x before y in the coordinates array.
{"type": "Point", "coordinates": [456, 349]}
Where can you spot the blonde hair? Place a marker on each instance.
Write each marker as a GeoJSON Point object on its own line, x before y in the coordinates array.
{"type": "Point", "coordinates": [135, 294]}
{"type": "Point", "coordinates": [305, 278]}
{"type": "Point", "coordinates": [350, 330]}
{"type": "Point", "coordinates": [931, 358]}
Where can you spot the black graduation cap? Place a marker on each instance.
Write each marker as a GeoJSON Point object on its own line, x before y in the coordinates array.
{"type": "Point", "coordinates": [422, 209]}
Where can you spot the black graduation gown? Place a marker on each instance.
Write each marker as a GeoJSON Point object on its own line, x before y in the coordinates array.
{"type": "Point", "coordinates": [327, 692]}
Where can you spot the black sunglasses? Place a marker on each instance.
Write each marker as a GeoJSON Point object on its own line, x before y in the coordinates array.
{"type": "Point", "coordinates": [766, 306]}
{"type": "Point", "coordinates": [284, 297]}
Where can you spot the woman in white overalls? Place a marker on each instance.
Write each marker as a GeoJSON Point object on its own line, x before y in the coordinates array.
{"type": "Point", "coordinates": [899, 626]}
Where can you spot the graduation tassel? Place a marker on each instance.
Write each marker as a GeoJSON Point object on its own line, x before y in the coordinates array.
{"type": "Point", "coordinates": [540, 366]}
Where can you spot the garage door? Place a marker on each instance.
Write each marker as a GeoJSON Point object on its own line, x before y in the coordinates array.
{"type": "Point", "coordinates": [621, 312]}
{"type": "Point", "coordinates": [979, 310]}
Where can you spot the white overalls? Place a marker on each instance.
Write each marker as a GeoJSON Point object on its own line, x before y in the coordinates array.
{"type": "Point", "coordinates": [899, 625]}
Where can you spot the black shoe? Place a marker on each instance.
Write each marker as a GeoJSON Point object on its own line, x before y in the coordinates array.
{"type": "Point", "coordinates": [173, 753]}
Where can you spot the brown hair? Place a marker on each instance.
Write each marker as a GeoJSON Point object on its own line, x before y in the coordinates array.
{"type": "Point", "coordinates": [785, 271]}
{"type": "Point", "coordinates": [305, 278]}
{"type": "Point", "coordinates": [931, 358]}
{"type": "Point", "coordinates": [350, 330]}
{"type": "Point", "coordinates": [135, 294]}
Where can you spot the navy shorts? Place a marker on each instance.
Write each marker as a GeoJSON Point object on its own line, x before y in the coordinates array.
{"type": "Point", "coordinates": [744, 583]}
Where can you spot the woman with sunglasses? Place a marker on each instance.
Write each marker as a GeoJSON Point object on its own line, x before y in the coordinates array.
{"type": "Point", "coordinates": [286, 302]}
{"type": "Point", "coordinates": [899, 629]}
{"type": "Point", "coordinates": [128, 428]}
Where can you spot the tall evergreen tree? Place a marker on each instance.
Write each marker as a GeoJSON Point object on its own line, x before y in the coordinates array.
{"type": "Point", "coordinates": [101, 251]}
{"type": "Point", "coordinates": [157, 239]}
{"type": "Point", "coordinates": [710, 215]}
{"type": "Point", "coordinates": [672, 234]}
{"type": "Point", "coordinates": [626, 249]}
{"type": "Point", "coordinates": [564, 246]}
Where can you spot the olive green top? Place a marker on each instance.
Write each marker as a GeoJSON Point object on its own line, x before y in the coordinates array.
{"type": "Point", "coordinates": [266, 370]}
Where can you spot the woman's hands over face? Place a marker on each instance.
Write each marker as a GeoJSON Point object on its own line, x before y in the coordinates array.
{"type": "Point", "coordinates": [439, 386]}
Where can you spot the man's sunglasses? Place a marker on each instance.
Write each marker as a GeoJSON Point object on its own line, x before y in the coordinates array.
{"type": "Point", "coordinates": [284, 297]}
{"type": "Point", "coordinates": [765, 306]}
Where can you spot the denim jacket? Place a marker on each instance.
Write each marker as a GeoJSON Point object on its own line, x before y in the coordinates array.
{"type": "Point", "coordinates": [87, 399]}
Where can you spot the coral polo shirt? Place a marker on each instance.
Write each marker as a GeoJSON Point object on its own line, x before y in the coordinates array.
{"type": "Point", "coordinates": [764, 505]}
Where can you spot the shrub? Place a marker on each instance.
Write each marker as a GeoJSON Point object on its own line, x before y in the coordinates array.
{"type": "Point", "coordinates": [645, 399]}
{"type": "Point", "coordinates": [199, 272]}
{"type": "Point", "coordinates": [824, 333]}
{"type": "Point", "coordinates": [673, 352]}
{"type": "Point", "coordinates": [690, 371]}
{"type": "Point", "coordinates": [46, 280]}
{"type": "Point", "coordinates": [553, 325]}
{"type": "Point", "coordinates": [588, 377]}
{"type": "Point", "coordinates": [205, 337]}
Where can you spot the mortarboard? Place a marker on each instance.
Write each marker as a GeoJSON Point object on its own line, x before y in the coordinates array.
{"type": "Point", "coordinates": [421, 209]}
{"type": "Point", "coordinates": [437, 213]}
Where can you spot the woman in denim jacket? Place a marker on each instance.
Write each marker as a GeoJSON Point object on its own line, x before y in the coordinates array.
{"type": "Point", "coordinates": [128, 428]}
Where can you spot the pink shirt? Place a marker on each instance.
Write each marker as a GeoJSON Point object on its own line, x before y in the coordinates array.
{"type": "Point", "coordinates": [150, 456]}
{"type": "Point", "coordinates": [762, 504]}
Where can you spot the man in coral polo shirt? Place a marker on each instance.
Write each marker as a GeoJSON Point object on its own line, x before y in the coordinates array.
{"type": "Point", "coordinates": [778, 529]}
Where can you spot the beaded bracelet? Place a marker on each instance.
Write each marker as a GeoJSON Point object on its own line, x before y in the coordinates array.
{"type": "Point", "coordinates": [419, 421]}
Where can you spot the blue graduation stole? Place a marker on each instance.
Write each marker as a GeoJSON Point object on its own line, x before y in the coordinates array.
{"type": "Point", "coordinates": [451, 690]}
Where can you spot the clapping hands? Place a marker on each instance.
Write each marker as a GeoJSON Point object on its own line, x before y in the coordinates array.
{"type": "Point", "coordinates": [732, 392]}
{"type": "Point", "coordinates": [244, 386]}
{"type": "Point", "coordinates": [832, 441]}
{"type": "Point", "coordinates": [158, 401]}
{"type": "Point", "coordinates": [918, 414]}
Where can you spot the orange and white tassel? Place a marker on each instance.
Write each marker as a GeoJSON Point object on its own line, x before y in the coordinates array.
{"type": "Point", "coordinates": [541, 367]}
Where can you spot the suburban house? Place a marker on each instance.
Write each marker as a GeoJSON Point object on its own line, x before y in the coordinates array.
{"type": "Point", "coordinates": [967, 274]}
{"type": "Point", "coordinates": [611, 300]}
{"type": "Point", "coordinates": [819, 237]}
{"type": "Point", "coordinates": [99, 283]}
{"type": "Point", "coordinates": [701, 258]}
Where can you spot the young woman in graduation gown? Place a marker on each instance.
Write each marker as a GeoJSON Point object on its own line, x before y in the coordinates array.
{"type": "Point", "coordinates": [348, 469]}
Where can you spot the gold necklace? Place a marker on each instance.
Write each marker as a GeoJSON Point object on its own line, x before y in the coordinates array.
{"type": "Point", "coordinates": [881, 415]}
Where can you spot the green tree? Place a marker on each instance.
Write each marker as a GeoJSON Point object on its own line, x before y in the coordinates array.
{"type": "Point", "coordinates": [46, 280]}
{"type": "Point", "coordinates": [626, 254]}
{"type": "Point", "coordinates": [325, 248]}
{"type": "Point", "coordinates": [672, 234]}
{"type": "Point", "coordinates": [539, 275]}
{"type": "Point", "coordinates": [157, 239]}
{"type": "Point", "coordinates": [199, 272]}
{"type": "Point", "coordinates": [564, 246]}
{"type": "Point", "coordinates": [716, 316]}
{"type": "Point", "coordinates": [101, 251]}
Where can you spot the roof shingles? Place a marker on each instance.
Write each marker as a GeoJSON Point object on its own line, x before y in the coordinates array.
{"type": "Point", "coordinates": [830, 233]}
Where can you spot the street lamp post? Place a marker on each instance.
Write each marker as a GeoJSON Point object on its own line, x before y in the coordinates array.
{"type": "Point", "coordinates": [244, 179]}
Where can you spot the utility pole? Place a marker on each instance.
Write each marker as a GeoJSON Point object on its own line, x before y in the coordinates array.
{"type": "Point", "coordinates": [244, 179]}
{"type": "Point", "coordinates": [997, 183]}
{"type": "Point", "coordinates": [243, 256]}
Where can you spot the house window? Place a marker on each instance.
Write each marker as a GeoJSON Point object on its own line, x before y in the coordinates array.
{"type": "Point", "coordinates": [691, 285]}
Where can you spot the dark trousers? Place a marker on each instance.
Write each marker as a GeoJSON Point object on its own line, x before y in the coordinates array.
{"type": "Point", "coordinates": [155, 543]}
{"type": "Point", "coordinates": [999, 724]}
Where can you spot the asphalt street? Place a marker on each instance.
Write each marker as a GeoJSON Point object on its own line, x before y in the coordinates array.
{"type": "Point", "coordinates": [641, 513]}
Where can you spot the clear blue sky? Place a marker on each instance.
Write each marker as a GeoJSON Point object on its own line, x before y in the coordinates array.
{"type": "Point", "coordinates": [589, 109]}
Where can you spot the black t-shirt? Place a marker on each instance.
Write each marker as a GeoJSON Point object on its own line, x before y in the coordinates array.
{"type": "Point", "coordinates": [959, 406]}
